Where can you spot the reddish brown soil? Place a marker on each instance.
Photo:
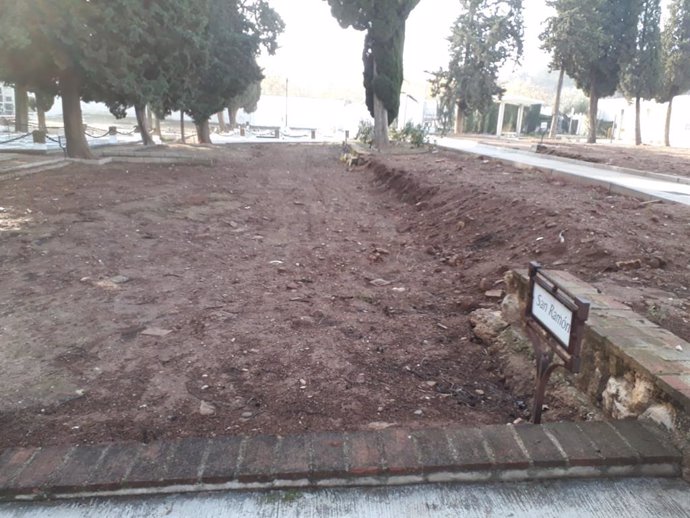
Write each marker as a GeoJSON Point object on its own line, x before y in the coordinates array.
{"type": "Point", "coordinates": [261, 268]}
{"type": "Point", "coordinates": [672, 161]}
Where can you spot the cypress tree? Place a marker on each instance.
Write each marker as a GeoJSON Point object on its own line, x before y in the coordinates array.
{"type": "Point", "coordinates": [675, 43]}
{"type": "Point", "coordinates": [596, 38]}
{"type": "Point", "coordinates": [641, 77]}
{"type": "Point", "coordinates": [384, 23]}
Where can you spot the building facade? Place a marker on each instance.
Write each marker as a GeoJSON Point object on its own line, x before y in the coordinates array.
{"type": "Point", "coordinates": [6, 101]}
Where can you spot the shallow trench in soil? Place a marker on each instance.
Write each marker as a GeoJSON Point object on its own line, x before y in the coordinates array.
{"type": "Point", "coordinates": [275, 292]}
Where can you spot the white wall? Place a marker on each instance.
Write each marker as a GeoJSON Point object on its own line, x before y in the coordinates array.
{"type": "Point", "coordinates": [322, 114]}
{"type": "Point", "coordinates": [652, 120]}
{"type": "Point", "coordinates": [302, 112]}
{"type": "Point", "coordinates": [6, 100]}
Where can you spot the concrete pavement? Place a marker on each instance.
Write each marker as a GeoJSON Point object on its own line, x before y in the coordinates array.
{"type": "Point", "coordinates": [616, 181]}
{"type": "Point", "coordinates": [626, 498]}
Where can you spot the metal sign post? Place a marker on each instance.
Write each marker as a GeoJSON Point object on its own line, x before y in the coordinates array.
{"type": "Point", "coordinates": [555, 321]}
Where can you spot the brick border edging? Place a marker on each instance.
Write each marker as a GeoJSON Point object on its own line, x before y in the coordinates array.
{"type": "Point", "coordinates": [642, 345]}
{"type": "Point", "coordinates": [386, 457]}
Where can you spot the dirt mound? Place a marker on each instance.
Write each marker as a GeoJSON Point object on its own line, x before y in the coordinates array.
{"type": "Point", "coordinates": [546, 150]}
{"type": "Point", "coordinates": [483, 217]}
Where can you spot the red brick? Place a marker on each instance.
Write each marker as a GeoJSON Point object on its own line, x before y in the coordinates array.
{"type": "Point", "coordinates": [256, 464]}
{"type": "Point", "coordinates": [328, 455]}
{"type": "Point", "coordinates": [400, 453]}
{"type": "Point", "coordinates": [434, 450]}
{"type": "Point", "coordinates": [602, 302]}
{"type": "Point", "coordinates": [38, 472]}
{"type": "Point", "coordinates": [117, 462]}
{"type": "Point", "coordinates": [506, 450]}
{"type": "Point", "coordinates": [650, 444]}
{"type": "Point", "coordinates": [12, 462]}
{"type": "Point", "coordinates": [655, 365]}
{"type": "Point", "coordinates": [185, 462]}
{"type": "Point", "coordinates": [578, 448]}
{"type": "Point", "coordinates": [150, 466]}
{"type": "Point", "coordinates": [76, 473]}
{"type": "Point", "coordinates": [678, 386]}
{"type": "Point", "coordinates": [221, 462]}
{"type": "Point", "coordinates": [292, 460]}
{"type": "Point", "coordinates": [609, 444]}
{"type": "Point", "coordinates": [469, 447]}
{"type": "Point", "coordinates": [542, 451]}
{"type": "Point", "coordinates": [364, 454]}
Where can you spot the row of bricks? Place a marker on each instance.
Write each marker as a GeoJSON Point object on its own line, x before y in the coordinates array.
{"type": "Point", "coordinates": [649, 347]}
{"type": "Point", "coordinates": [391, 452]}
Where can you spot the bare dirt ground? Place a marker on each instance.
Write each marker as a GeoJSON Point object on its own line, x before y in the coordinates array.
{"type": "Point", "coordinates": [655, 159]}
{"type": "Point", "coordinates": [673, 161]}
{"type": "Point", "coordinates": [277, 292]}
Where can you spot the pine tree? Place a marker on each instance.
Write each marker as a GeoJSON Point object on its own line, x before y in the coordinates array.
{"type": "Point", "coordinates": [484, 37]}
{"type": "Point", "coordinates": [236, 33]}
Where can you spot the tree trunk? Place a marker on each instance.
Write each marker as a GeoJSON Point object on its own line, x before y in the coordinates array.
{"type": "Point", "coordinates": [41, 116]}
{"type": "Point", "coordinates": [459, 121]}
{"type": "Point", "coordinates": [157, 126]}
{"type": "Point", "coordinates": [77, 147]}
{"type": "Point", "coordinates": [557, 106]}
{"type": "Point", "coordinates": [380, 119]}
{"type": "Point", "coordinates": [380, 124]}
{"type": "Point", "coordinates": [21, 109]}
{"type": "Point", "coordinates": [142, 122]}
{"type": "Point", "coordinates": [203, 132]}
{"type": "Point", "coordinates": [221, 122]}
{"type": "Point", "coordinates": [232, 118]}
{"type": "Point", "coordinates": [667, 128]}
{"type": "Point", "coordinates": [638, 129]}
{"type": "Point", "coordinates": [593, 109]}
{"type": "Point", "coordinates": [182, 126]}
{"type": "Point", "coordinates": [149, 117]}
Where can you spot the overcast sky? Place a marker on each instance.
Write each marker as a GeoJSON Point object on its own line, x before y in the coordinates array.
{"type": "Point", "coordinates": [315, 49]}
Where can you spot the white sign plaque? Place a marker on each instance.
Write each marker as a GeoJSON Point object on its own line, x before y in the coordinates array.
{"type": "Point", "coordinates": [552, 314]}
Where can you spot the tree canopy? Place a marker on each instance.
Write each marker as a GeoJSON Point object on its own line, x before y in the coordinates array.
{"type": "Point", "coordinates": [593, 40]}
{"type": "Point", "coordinates": [641, 77]}
{"type": "Point", "coordinates": [384, 23]}
{"type": "Point", "coordinates": [675, 44]}
{"type": "Point", "coordinates": [486, 35]}
{"type": "Point", "coordinates": [171, 54]}
{"type": "Point", "coordinates": [167, 51]}
{"type": "Point", "coordinates": [237, 31]}
{"type": "Point", "coordinates": [676, 51]}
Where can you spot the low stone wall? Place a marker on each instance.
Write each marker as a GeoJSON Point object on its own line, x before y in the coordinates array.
{"type": "Point", "coordinates": [631, 367]}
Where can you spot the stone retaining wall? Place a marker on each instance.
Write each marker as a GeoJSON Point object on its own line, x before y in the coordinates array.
{"type": "Point", "coordinates": [632, 367]}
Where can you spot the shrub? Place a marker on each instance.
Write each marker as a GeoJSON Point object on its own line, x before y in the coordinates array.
{"type": "Point", "coordinates": [416, 135]}
{"type": "Point", "coordinates": [365, 133]}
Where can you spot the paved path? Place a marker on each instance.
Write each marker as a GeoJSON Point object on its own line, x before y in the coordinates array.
{"type": "Point", "coordinates": [657, 188]}
{"type": "Point", "coordinates": [627, 498]}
